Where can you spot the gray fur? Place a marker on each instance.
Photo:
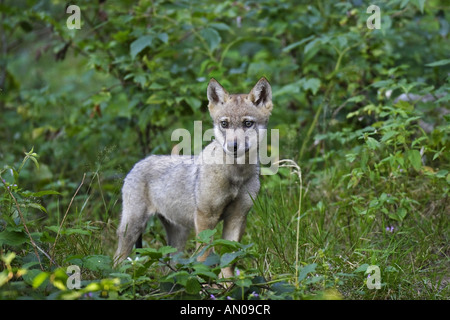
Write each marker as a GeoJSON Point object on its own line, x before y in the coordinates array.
{"type": "Point", "coordinates": [197, 192]}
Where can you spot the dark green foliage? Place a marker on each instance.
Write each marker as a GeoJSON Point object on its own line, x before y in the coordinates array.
{"type": "Point", "coordinates": [364, 113]}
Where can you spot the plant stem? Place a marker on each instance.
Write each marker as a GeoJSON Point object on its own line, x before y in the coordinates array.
{"type": "Point", "coordinates": [298, 228]}
{"type": "Point", "coordinates": [298, 171]}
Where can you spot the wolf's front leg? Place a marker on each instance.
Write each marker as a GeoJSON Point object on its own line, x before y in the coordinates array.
{"type": "Point", "coordinates": [233, 229]}
{"type": "Point", "coordinates": [234, 226]}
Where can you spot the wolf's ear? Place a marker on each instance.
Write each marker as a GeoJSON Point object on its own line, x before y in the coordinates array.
{"type": "Point", "coordinates": [261, 94]}
{"type": "Point", "coordinates": [216, 93]}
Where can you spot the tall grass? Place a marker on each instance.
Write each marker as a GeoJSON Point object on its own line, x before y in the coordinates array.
{"type": "Point", "coordinates": [337, 233]}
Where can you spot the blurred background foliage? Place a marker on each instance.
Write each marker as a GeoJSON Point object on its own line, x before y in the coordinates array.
{"type": "Point", "coordinates": [136, 70]}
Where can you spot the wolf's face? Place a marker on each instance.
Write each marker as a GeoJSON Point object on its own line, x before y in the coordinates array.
{"type": "Point", "coordinates": [239, 118]}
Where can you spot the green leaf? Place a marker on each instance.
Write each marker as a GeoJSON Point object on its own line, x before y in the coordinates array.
{"type": "Point", "coordinates": [221, 26]}
{"type": "Point", "coordinates": [97, 262]}
{"type": "Point", "coordinates": [164, 37]}
{"type": "Point", "coordinates": [372, 143]}
{"type": "Point", "coordinates": [282, 287]}
{"type": "Point", "coordinates": [36, 206]}
{"type": "Point", "coordinates": [204, 272]}
{"type": "Point", "coordinates": [404, 105]}
{"type": "Point", "coordinates": [297, 44]}
{"type": "Point", "coordinates": [245, 283]}
{"type": "Point", "coordinates": [205, 235]}
{"type": "Point", "coordinates": [356, 98]}
{"type": "Point", "coordinates": [193, 286]}
{"type": "Point", "coordinates": [8, 258]}
{"type": "Point", "coordinates": [438, 154]}
{"type": "Point", "coordinates": [39, 193]}
{"type": "Point", "coordinates": [312, 84]}
{"type": "Point", "coordinates": [415, 159]}
{"type": "Point", "coordinates": [442, 173]}
{"type": "Point", "coordinates": [398, 215]}
{"type": "Point", "coordinates": [401, 213]}
{"type": "Point", "coordinates": [156, 86]}
{"type": "Point", "coordinates": [102, 96]}
{"type": "Point", "coordinates": [362, 268]}
{"type": "Point", "coordinates": [12, 238]}
{"type": "Point", "coordinates": [45, 193]}
{"type": "Point", "coordinates": [39, 279]}
{"type": "Point", "coordinates": [193, 102]}
{"type": "Point", "coordinates": [383, 83]}
{"type": "Point", "coordinates": [167, 250]}
{"type": "Point", "coordinates": [140, 44]}
{"type": "Point", "coordinates": [77, 231]}
{"type": "Point", "coordinates": [150, 252]}
{"type": "Point", "coordinates": [230, 244]}
{"type": "Point", "coordinates": [35, 161]}
{"type": "Point", "coordinates": [212, 38]}
{"type": "Point", "coordinates": [311, 45]}
{"type": "Point", "coordinates": [387, 135]}
{"type": "Point", "coordinates": [351, 157]}
{"type": "Point", "coordinates": [155, 98]}
{"type": "Point", "coordinates": [419, 4]}
{"type": "Point", "coordinates": [228, 258]}
{"type": "Point", "coordinates": [180, 277]}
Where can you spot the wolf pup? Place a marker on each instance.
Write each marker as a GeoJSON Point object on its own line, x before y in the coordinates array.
{"type": "Point", "coordinates": [197, 192]}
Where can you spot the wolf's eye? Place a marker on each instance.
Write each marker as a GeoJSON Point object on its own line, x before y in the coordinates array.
{"type": "Point", "coordinates": [224, 124]}
{"type": "Point", "coordinates": [248, 123]}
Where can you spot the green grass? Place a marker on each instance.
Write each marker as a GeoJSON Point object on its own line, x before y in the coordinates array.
{"type": "Point", "coordinates": [309, 236]}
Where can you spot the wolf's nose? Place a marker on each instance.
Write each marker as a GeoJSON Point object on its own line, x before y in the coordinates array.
{"type": "Point", "coordinates": [235, 146]}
